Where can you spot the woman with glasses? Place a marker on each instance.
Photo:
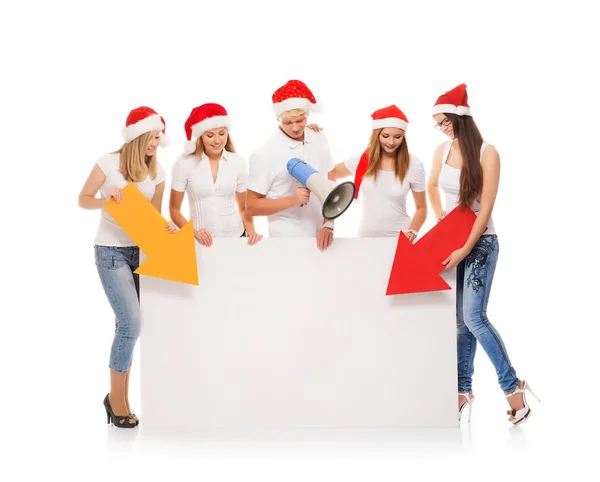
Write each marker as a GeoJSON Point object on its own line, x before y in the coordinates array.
{"type": "Point", "coordinates": [467, 169]}
{"type": "Point", "coordinates": [385, 173]}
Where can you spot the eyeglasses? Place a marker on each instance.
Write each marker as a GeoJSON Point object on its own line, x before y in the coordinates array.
{"type": "Point", "coordinates": [446, 122]}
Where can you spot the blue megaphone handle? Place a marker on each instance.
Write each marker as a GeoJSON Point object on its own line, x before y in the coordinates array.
{"type": "Point", "coordinates": [300, 170]}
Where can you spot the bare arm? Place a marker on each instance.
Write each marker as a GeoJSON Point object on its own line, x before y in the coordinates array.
{"type": "Point", "coordinates": [420, 212]}
{"type": "Point", "coordinates": [325, 234]}
{"type": "Point", "coordinates": [339, 171]}
{"type": "Point", "coordinates": [490, 163]}
{"type": "Point", "coordinates": [158, 196]}
{"type": "Point", "coordinates": [87, 196]}
{"type": "Point", "coordinates": [433, 190]}
{"type": "Point", "coordinates": [258, 205]}
{"type": "Point", "coordinates": [248, 220]}
{"type": "Point", "coordinates": [175, 202]}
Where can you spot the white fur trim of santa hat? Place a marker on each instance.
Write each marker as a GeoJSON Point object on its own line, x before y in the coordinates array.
{"type": "Point", "coordinates": [390, 122]}
{"type": "Point", "coordinates": [211, 123]}
{"type": "Point", "coordinates": [451, 109]}
{"type": "Point", "coordinates": [296, 103]}
{"type": "Point", "coordinates": [149, 124]}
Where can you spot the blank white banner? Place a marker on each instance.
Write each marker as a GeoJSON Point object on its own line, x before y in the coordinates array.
{"type": "Point", "coordinates": [281, 335]}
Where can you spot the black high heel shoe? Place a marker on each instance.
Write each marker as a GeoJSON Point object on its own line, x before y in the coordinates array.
{"type": "Point", "coordinates": [117, 420]}
{"type": "Point", "coordinates": [133, 417]}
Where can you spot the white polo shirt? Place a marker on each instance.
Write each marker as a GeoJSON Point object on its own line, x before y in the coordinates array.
{"type": "Point", "coordinates": [109, 232]}
{"type": "Point", "coordinates": [269, 176]}
{"type": "Point", "coordinates": [212, 204]}
{"type": "Point", "coordinates": [383, 202]}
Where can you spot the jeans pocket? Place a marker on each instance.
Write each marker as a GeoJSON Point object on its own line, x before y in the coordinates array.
{"type": "Point", "coordinates": [477, 262]}
{"type": "Point", "coordinates": [107, 258]}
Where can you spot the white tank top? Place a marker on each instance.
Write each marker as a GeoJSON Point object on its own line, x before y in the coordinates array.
{"type": "Point", "coordinates": [449, 182]}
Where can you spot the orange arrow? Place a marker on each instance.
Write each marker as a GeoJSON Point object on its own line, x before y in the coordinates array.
{"type": "Point", "coordinates": [170, 256]}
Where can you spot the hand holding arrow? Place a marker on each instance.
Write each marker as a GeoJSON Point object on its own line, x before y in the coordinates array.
{"type": "Point", "coordinates": [416, 268]}
{"type": "Point", "coordinates": [171, 256]}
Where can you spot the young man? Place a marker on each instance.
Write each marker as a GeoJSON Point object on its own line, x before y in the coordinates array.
{"type": "Point", "coordinates": [291, 211]}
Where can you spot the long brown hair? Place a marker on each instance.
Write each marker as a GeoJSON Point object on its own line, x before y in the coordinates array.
{"type": "Point", "coordinates": [199, 152]}
{"type": "Point", "coordinates": [134, 163]}
{"type": "Point", "coordinates": [401, 157]}
{"type": "Point", "coordinates": [469, 142]}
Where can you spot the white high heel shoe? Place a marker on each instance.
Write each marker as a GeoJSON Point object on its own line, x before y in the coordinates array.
{"type": "Point", "coordinates": [522, 414]}
{"type": "Point", "coordinates": [470, 398]}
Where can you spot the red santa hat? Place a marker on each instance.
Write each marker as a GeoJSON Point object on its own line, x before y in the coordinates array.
{"type": "Point", "coordinates": [142, 120]}
{"type": "Point", "coordinates": [294, 95]}
{"type": "Point", "coordinates": [202, 119]}
{"type": "Point", "coordinates": [390, 116]}
{"type": "Point", "coordinates": [453, 102]}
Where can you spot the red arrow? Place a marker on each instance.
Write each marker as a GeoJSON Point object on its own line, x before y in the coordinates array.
{"type": "Point", "coordinates": [416, 268]}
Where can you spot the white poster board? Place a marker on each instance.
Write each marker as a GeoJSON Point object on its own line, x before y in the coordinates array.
{"type": "Point", "coordinates": [281, 335]}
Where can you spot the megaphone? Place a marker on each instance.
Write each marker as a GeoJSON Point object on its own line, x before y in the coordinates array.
{"type": "Point", "coordinates": [335, 198]}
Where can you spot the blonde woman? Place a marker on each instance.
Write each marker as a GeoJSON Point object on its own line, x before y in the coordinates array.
{"type": "Point", "coordinates": [385, 173]}
{"type": "Point", "coordinates": [214, 178]}
{"type": "Point", "coordinates": [291, 211]}
{"type": "Point", "coordinates": [117, 256]}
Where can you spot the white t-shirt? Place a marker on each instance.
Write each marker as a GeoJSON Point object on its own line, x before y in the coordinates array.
{"type": "Point", "coordinates": [212, 204]}
{"type": "Point", "coordinates": [449, 182]}
{"type": "Point", "coordinates": [109, 232]}
{"type": "Point", "coordinates": [383, 202]}
{"type": "Point", "coordinates": [269, 176]}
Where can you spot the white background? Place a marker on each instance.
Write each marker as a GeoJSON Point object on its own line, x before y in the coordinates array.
{"type": "Point", "coordinates": [72, 71]}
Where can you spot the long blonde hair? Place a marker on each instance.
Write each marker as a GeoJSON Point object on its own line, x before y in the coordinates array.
{"type": "Point", "coordinates": [134, 161]}
{"type": "Point", "coordinates": [199, 152]}
{"type": "Point", "coordinates": [401, 157]}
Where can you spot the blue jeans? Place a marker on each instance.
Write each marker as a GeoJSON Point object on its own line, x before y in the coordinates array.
{"type": "Point", "coordinates": [474, 277]}
{"type": "Point", "coordinates": [116, 266]}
